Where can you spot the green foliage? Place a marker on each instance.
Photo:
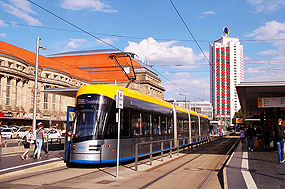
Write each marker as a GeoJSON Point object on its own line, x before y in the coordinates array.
{"type": "Point", "coordinates": [238, 114]}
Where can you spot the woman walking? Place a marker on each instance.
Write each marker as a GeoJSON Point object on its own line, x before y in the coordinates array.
{"type": "Point", "coordinates": [27, 141]}
{"type": "Point", "coordinates": [40, 136]}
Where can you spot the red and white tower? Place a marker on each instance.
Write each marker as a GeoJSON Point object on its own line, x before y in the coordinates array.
{"type": "Point", "coordinates": [226, 57]}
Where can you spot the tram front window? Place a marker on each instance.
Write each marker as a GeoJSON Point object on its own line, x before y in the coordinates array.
{"type": "Point", "coordinates": [91, 119]}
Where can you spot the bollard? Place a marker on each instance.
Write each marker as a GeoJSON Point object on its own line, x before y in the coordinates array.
{"type": "Point", "coordinates": [5, 144]}
{"type": "Point", "coordinates": [170, 151]}
{"type": "Point", "coordinates": [161, 144]}
{"type": "Point", "coordinates": [136, 158]}
{"type": "Point", "coordinates": [150, 151]}
{"type": "Point", "coordinates": [178, 147]}
{"type": "Point", "coordinates": [47, 142]}
{"type": "Point", "coordinates": [189, 144]}
{"type": "Point", "coordinates": [183, 144]}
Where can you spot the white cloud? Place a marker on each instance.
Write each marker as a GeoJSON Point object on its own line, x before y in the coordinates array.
{"type": "Point", "coordinates": [93, 5]}
{"type": "Point", "coordinates": [75, 43]}
{"type": "Point", "coordinates": [21, 13]}
{"type": "Point", "coordinates": [3, 35]}
{"type": "Point", "coordinates": [107, 40]}
{"type": "Point", "coordinates": [24, 5]}
{"type": "Point", "coordinates": [265, 75]}
{"type": "Point", "coordinates": [266, 5]}
{"type": "Point", "coordinates": [194, 89]}
{"type": "Point", "coordinates": [208, 13]}
{"type": "Point", "coordinates": [272, 30]}
{"type": "Point", "coordinates": [163, 53]}
{"type": "Point", "coordinates": [2, 23]}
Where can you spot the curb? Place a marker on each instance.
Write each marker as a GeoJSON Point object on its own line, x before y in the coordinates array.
{"type": "Point", "coordinates": [34, 169]}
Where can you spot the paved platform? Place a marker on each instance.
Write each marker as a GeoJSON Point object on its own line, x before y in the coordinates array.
{"type": "Point", "coordinates": [257, 169]}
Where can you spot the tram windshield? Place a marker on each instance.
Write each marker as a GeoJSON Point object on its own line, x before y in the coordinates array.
{"type": "Point", "coordinates": [91, 116]}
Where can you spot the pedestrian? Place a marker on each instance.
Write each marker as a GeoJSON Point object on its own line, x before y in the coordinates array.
{"type": "Point", "coordinates": [40, 136]}
{"type": "Point", "coordinates": [27, 141]}
{"type": "Point", "coordinates": [44, 148]}
{"type": "Point", "coordinates": [242, 136]}
{"type": "Point", "coordinates": [250, 133]}
{"type": "Point", "coordinates": [279, 138]}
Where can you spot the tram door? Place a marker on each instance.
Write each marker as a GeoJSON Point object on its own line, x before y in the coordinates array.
{"type": "Point", "coordinates": [69, 125]}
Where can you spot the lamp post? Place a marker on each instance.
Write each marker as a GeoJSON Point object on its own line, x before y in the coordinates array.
{"type": "Point", "coordinates": [36, 84]}
{"type": "Point", "coordinates": [185, 99]}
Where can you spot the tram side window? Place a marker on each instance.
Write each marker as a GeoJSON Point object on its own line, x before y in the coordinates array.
{"type": "Point", "coordinates": [125, 123]}
{"type": "Point", "coordinates": [186, 127]}
{"type": "Point", "coordinates": [111, 130]}
{"type": "Point", "coordinates": [146, 124]}
{"type": "Point", "coordinates": [135, 123]}
{"type": "Point", "coordinates": [193, 125]}
{"type": "Point", "coordinates": [155, 125]}
{"type": "Point", "coordinates": [169, 125]}
{"type": "Point", "coordinates": [163, 125]}
{"type": "Point", "coordinates": [180, 126]}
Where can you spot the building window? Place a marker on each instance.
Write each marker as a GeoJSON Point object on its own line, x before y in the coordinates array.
{"type": "Point", "coordinates": [8, 92]}
{"type": "Point", "coordinates": [53, 102]}
{"type": "Point", "coordinates": [60, 103]}
{"type": "Point", "coordinates": [46, 99]}
{"type": "Point", "coordinates": [16, 94]}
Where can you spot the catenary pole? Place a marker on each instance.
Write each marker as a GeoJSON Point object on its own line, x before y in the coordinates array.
{"type": "Point", "coordinates": [38, 47]}
{"type": "Point", "coordinates": [36, 85]}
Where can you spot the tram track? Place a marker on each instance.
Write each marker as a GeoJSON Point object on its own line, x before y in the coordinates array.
{"type": "Point", "coordinates": [54, 171]}
{"type": "Point", "coordinates": [63, 176]}
{"type": "Point", "coordinates": [206, 178]}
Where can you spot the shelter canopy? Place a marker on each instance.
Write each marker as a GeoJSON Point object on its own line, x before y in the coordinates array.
{"type": "Point", "coordinates": [249, 92]}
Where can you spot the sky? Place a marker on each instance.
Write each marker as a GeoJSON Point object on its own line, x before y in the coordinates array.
{"type": "Point", "coordinates": [155, 33]}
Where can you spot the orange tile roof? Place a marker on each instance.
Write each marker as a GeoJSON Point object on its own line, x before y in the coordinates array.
{"type": "Point", "coordinates": [91, 67]}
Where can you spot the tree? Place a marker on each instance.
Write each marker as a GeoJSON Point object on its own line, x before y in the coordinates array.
{"type": "Point", "coordinates": [238, 114]}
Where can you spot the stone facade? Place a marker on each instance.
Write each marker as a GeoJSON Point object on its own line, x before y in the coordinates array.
{"type": "Point", "coordinates": [17, 90]}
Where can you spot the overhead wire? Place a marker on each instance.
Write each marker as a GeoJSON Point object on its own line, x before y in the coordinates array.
{"type": "Point", "coordinates": [177, 85]}
{"type": "Point", "coordinates": [188, 29]}
{"type": "Point", "coordinates": [84, 31]}
{"type": "Point", "coordinates": [134, 37]}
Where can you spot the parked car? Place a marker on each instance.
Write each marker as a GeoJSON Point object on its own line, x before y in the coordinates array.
{"type": "Point", "coordinates": [8, 133]}
{"type": "Point", "coordinates": [22, 132]}
{"type": "Point", "coordinates": [3, 126]}
{"type": "Point", "coordinates": [53, 134]}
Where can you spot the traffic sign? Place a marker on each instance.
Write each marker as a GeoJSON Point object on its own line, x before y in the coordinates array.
{"type": "Point", "coordinates": [120, 99]}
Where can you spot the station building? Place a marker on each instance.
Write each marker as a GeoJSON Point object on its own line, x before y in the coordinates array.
{"type": "Point", "coordinates": [63, 70]}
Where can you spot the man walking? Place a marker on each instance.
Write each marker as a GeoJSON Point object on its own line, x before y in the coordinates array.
{"type": "Point", "coordinates": [279, 138]}
{"type": "Point", "coordinates": [250, 132]}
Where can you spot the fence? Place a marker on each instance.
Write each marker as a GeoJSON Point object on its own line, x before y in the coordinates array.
{"type": "Point", "coordinates": [169, 146]}
{"type": "Point", "coordinates": [13, 143]}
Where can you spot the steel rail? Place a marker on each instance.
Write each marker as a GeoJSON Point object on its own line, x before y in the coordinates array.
{"type": "Point", "coordinates": [206, 179]}
{"type": "Point", "coordinates": [185, 163]}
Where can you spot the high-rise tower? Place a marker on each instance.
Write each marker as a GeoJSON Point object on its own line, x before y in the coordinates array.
{"type": "Point", "coordinates": [226, 57]}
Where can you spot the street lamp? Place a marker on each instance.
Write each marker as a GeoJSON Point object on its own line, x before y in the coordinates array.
{"type": "Point", "coordinates": [185, 99]}
{"type": "Point", "coordinates": [36, 83]}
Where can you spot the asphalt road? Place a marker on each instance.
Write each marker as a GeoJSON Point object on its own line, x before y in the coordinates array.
{"type": "Point", "coordinates": [187, 170]}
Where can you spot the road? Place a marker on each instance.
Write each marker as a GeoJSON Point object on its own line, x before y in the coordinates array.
{"type": "Point", "coordinates": [188, 170]}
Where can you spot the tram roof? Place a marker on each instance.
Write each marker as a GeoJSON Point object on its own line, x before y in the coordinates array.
{"type": "Point", "coordinates": [111, 90]}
